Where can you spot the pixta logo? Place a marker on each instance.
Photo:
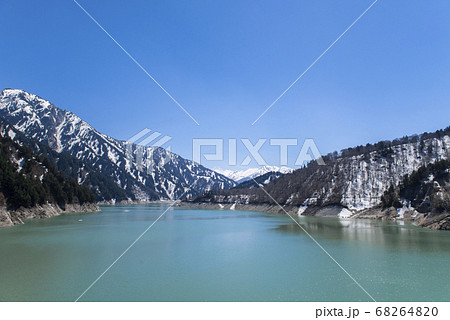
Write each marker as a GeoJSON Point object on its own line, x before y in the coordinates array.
{"type": "Point", "coordinates": [308, 152]}
{"type": "Point", "coordinates": [146, 149]}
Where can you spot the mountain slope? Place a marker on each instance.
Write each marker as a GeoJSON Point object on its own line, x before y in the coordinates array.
{"type": "Point", "coordinates": [101, 185]}
{"type": "Point", "coordinates": [425, 192]}
{"type": "Point", "coordinates": [170, 177]}
{"type": "Point", "coordinates": [356, 179]}
{"type": "Point", "coordinates": [28, 180]}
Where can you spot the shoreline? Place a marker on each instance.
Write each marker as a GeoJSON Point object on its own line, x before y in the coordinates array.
{"type": "Point", "coordinates": [428, 221]}
{"type": "Point", "coordinates": [265, 208]}
{"type": "Point", "coordinates": [125, 202]}
{"type": "Point", "coordinates": [10, 218]}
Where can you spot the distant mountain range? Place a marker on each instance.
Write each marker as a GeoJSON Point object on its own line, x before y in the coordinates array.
{"type": "Point", "coordinates": [263, 179]}
{"type": "Point", "coordinates": [244, 175]}
{"type": "Point", "coordinates": [106, 165]}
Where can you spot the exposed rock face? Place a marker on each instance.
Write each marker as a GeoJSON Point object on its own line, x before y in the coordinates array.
{"type": "Point", "coordinates": [437, 222]}
{"type": "Point", "coordinates": [424, 196]}
{"type": "Point", "coordinates": [368, 177]}
{"type": "Point", "coordinates": [9, 218]}
{"type": "Point", "coordinates": [5, 218]}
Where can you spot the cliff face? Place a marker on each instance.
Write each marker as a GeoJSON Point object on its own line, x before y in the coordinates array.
{"type": "Point", "coordinates": [424, 195]}
{"type": "Point", "coordinates": [360, 181]}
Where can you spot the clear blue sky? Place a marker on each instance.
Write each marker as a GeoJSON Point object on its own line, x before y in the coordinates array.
{"type": "Point", "coordinates": [226, 61]}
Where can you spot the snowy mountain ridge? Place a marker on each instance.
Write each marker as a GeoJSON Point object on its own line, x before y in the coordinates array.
{"type": "Point", "coordinates": [244, 175]}
{"type": "Point", "coordinates": [169, 176]}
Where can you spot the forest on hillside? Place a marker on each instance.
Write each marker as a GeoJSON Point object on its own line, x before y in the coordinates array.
{"type": "Point", "coordinates": [427, 189]}
{"type": "Point", "coordinates": [100, 184]}
{"type": "Point", "coordinates": [28, 179]}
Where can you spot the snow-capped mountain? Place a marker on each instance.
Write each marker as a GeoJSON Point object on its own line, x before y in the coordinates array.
{"type": "Point", "coordinates": [244, 175]}
{"type": "Point", "coordinates": [102, 185]}
{"type": "Point", "coordinates": [263, 179]}
{"type": "Point", "coordinates": [168, 176]}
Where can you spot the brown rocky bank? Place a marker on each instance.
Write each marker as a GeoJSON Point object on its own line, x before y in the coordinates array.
{"type": "Point", "coordinates": [13, 217]}
{"type": "Point", "coordinates": [428, 220]}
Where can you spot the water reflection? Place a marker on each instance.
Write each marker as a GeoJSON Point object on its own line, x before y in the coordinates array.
{"type": "Point", "coordinates": [209, 255]}
{"type": "Point", "coordinates": [390, 234]}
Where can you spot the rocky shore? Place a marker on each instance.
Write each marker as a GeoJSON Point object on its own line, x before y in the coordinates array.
{"type": "Point", "coordinates": [430, 221]}
{"type": "Point", "coordinates": [436, 221]}
{"type": "Point", "coordinates": [12, 217]}
{"type": "Point", "coordinates": [266, 208]}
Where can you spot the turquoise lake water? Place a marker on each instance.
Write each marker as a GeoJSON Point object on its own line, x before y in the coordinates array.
{"type": "Point", "coordinates": [207, 255]}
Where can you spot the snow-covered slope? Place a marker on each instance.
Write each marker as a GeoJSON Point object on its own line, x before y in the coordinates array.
{"type": "Point", "coordinates": [169, 177]}
{"type": "Point", "coordinates": [244, 175]}
{"type": "Point", "coordinates": [355, 180]}
{"type": "Point", "coordinates": [102, 185]}
{"type": "Point", "coordinates": [365, 177]}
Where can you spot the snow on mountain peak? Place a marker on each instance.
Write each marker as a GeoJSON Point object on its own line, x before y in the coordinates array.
{"type": "Point", "coordinates": [244, 175]}
{"type": "Point", "coordinates": [63, 131]}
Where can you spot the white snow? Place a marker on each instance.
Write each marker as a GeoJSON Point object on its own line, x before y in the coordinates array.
{"type": "Point", "coordinates": [63, 131]}
{"type": "Point", "coordinates": [345, 213]}
{"type": "Point", "coordinates": [367, 177]}
{"type": "Point", "coordinates": [11, 134]}
{"type": "Point", "coordinates": [19, 162]}
{"type": "Point", "coordinates": [301, 209]}
{"type": "Point", "coordinates": [244, 175]}
{"type": "Point", "coordinates": [406, 208]}
{"type": "Point", "coordinates": [310, 201]}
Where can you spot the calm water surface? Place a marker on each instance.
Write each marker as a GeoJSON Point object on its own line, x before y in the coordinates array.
{"type": "Point", "coordinates": [206, 255]}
